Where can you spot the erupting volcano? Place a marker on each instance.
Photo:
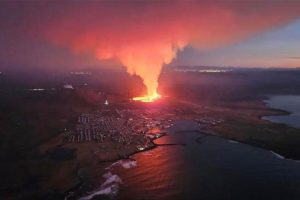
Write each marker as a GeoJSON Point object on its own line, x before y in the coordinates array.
{"type": "Point", "coordinates": [148, 98]}
{"type": "Point", "coordinates": [145, 59]}
{"type": "Point", "coordinates": [143, 37]}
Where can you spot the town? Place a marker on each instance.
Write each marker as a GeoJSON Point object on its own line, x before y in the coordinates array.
{"type": "Point", "coordinates": [125, 126]}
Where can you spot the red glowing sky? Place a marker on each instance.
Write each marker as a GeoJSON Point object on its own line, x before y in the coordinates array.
{"type": "Point", "coordinates": [141, 35]}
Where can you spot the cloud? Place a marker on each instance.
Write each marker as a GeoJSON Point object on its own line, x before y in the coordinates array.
{"type": "Point", "coordinates": [294, 57]}
{"type": "Point", "coordinates": [145, 35]}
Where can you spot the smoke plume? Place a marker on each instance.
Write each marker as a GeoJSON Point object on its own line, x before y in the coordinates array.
{"type": "Point", "coordinates": [144, 36]}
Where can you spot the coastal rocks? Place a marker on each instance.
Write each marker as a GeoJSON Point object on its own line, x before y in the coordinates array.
{"type": "Point", "coordinates": [126, 163]}
{"type": "Point", "coordinates": [110, 187]}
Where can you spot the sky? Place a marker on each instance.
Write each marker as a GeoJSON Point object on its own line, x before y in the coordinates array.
{"type": "Point", "coordinates": [275, 48]}
{"type": "Point", "coordinates": [143, 36]}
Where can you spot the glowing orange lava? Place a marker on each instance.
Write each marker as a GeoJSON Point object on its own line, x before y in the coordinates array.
{"type": "Point", "coordinates": [148, 98]}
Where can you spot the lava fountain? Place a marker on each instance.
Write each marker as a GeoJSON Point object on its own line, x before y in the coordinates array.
{"type": "Point", "coordinates": [146, 59]}
{"type": "Point", "coordinates": [145, 35]}
{"type": "Point", "coordinates": [147, 98]}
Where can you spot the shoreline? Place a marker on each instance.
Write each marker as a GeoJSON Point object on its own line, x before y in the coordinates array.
{"type": "Point", "coordinates": [280, 153]}
{"type": "Point", "coordinates": [277, 111]}
{"type": "Point", "coordinates": [112, 162]}
{"type": "Point", "coordinates": [198, 140]}
{"type": "Point", "coordinates": [234, 141]}
{"type": "Point", "coordinates": [137, 151]}
{"type": "Point", "coordinates": [231, 140]}
{"type": "Point", "coordinates": [286, 108]}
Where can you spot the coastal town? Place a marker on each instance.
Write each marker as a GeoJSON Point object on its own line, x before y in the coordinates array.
{"type": "Point", "coordinates": [124, 126]}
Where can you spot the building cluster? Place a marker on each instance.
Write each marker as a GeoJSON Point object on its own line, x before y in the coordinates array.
{"type": "Point", "coordinates": [126, 126]}
{"type": "Point", "coordinates": [207, 122]}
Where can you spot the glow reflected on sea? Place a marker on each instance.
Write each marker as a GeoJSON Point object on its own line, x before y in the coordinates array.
{"type": "Point", "coordinates": [209, 168]}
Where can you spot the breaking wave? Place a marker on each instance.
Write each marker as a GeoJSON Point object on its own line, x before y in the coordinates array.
{"type": "Point", "coordinates": [233, 141]}
{"type": "Point", "coordinates": [277, 155]}
{"type": "Point", "coordinates": [127, 164]}
{"type": "Point", "coordinates": [110, 187]}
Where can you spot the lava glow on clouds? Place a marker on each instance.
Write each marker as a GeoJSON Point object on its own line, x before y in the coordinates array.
{"type": "Point", "coordinates": [145, 35]}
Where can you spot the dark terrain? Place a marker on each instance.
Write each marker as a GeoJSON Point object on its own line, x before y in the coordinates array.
{"type": "Point", "coordinates": [30, 118]}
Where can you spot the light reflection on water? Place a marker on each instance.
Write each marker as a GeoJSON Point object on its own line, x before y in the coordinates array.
{"type": "Point", "coordinates": [212, 169]}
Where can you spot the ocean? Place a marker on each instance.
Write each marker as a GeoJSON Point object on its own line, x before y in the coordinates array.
{"type": "Point", "coordinates": [206, 167]}
{"type": "Point", "coordinates": [290, 103]}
